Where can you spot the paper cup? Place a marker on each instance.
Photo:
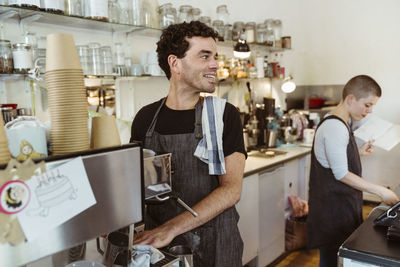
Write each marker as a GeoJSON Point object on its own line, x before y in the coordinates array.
{"type": "Point", "coordinates": [104, 132]}
{"type": "Point", "coordinates": [61, 53]}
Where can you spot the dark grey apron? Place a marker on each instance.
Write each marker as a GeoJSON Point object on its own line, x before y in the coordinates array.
{"type": "Point", "coordinates": [335, 209]}
{"type": "Point", "coordinates": [216, 243]}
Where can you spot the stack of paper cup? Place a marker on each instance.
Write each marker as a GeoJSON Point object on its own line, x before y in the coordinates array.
{"type": "Point", "coordinates": [4, 151]}
{"type": "Point", "coordinates": [66, 96]}
{"type": "Point", "coordinates": [104, 132]}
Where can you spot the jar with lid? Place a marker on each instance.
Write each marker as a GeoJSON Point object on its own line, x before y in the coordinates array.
{"type": "Point", "coordinates": [196, 14]}
{"type": "Point", "coordinates": [85, 59]}
{"type": "Point", "coordinates": [185, 13]}
{"type": "Point", "coordinates": [261, 33]}
{"type": "Point", "coordinates": [74, 8]}
{"type": "Point", "coordinates": [222, 13]}
{"type": "Point", "coordinates": [243, 70]}
{"type": "Point", "coordinates": [218, 26]}
{"type": "Point", "coordinates": [277, 28]}
{"type": "Point", "coordinates": [237, 30]}
{"type": "Point", "coordinates": [22, 56]}
{"type": "Point", "coordinates": [96, 61]}
{"type": "Point", "coordinates": [269, 23]}
{"type": "Point", "coordinates": [106, 56]}
{"type": "Point", "coordinates": [250, 32]}
{"type": "Point", "coordinates": [167, 16]}
{"type": "Point", "coordinates": [54, 6]}
{"type": "Point", "coordinates": [6, 58]}
{"type": "Point", "coordinates": [96, 9]}
{"type": "Point", "coordinates": [206, 20]}
{"type": "Point", "coordinates": [270, 38]}
{"type": "Point", "coordinates": [125, 15]}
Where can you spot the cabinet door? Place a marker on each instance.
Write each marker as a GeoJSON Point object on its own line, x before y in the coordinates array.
{"type": "Point", "coordinates": [291, 180]}
{"type": "Point", "coordinates": [304, 176]}
{"type": "Point", "coordinates": [248, 222]}
{"type": "Point", "coordinates": [272, 216]}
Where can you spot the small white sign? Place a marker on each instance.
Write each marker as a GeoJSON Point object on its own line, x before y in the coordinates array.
{"type": "Point", "coordinates": [57, 196]}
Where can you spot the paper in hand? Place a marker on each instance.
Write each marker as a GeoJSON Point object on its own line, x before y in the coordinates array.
{"type": "Point", "coordinates": [385, 134]}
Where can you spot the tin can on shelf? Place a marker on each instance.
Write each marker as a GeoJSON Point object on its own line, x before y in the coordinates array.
{"type": "Point", "coordinates": [287, 42]}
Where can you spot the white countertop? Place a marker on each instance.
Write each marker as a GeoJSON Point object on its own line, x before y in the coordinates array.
{"type": "Point", "coordinates": [256, 164]}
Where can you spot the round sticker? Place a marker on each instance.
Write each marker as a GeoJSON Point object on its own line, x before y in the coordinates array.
{"type": "Point", "coordinates": [14, 196]}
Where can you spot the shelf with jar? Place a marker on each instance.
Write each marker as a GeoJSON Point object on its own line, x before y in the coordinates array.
{"type": "Point", "coordinates": [20, 13]}
{"type": "Point", "coordinates": [254, 46]}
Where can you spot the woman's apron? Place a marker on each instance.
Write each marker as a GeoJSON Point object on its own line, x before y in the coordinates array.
{"type": "Point", "coordinates": [335, 209]}
{"type": "Point", "coordinates": [216, 243]}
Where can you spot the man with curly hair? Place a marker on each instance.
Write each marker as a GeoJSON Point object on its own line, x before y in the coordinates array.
{"type": "Point", "coordinates": [187, 54]}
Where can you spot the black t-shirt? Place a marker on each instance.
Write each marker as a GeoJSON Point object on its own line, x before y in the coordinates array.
{"type": "Point", "coordinates": [171, 121]}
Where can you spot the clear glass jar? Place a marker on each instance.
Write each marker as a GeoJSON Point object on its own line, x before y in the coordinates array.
{"type": "Point", "coordinates": [6, 57]}
{"type": "Point", "coordinates": [206, 20]}
{"type": "Point", "coordinates": [74, 8]}
{"type": "Point", "coordinates": [137, 12]}
{"type": "Point", "coordinates": [238, 28]}
{"type": "Point", "coordinates": [228, 32]}
{"type": "Point", "coordinates": [95, 58]}
{"type": "Point", "coordinates": [30, 38]}
{"type": "Point", "coordinates": [167, 16]}
{"type": "Point", "coordinates": [96, 9]}
{"type": "Point", "coordinates": [22, 56]}
{"type": "Point", "coordinates": [54, 6]}
{"type": "Point", "coordinates": [261, 33]}
{"type": "Point", "coordinates": [270, 38]}
{"type": "Point", "coordinates": [277, 28]}
{"type": "Point", "coordinates": [114, 11]}
{"type": "Point", "coordinates": [119, 54]}
{"type": "Point", "coordinates": [250, 32]}
{"type": "Point", "coordinates": [85, 59]}
{"type": "Point", "coordinates": [222, 13]}
{"type": "Point", "coordinates": [196, 14]}
{"type": "Point", "coordinates": [185, 13]}
{"type": "Point", "coordinates": [269, 23]}
{"type": "Point", "coordinates": [218, 26]}
{"type": "Point", "coordinates": [125, 15]}
{"type": "Point", "coordinates": [106, 54]}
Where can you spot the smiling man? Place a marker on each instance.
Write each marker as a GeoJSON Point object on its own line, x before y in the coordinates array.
{"type": "Point", "coordinates": [187, 54]}
{"type": "Point", "coordinates": [335, 191]}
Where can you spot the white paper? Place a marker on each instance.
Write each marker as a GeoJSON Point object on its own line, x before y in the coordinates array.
{"type": "Point", "coordinates": [56, 196]}
{"type": "Point", "coordinates": [385, 134]}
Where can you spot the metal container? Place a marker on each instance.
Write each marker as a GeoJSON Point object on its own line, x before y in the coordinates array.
{"type": "Point", "coordinates": [184, 254]}
{"type": "Point", "coordinates": [270, 138]}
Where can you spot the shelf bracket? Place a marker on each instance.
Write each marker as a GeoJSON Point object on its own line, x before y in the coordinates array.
{"type": "Point", "coordinates": [27, 20]}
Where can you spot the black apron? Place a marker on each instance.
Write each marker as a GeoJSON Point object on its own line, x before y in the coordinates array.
{"type": "Point", "coordinates": [217, 242]}
{"type": "Point", "coordinates": [335, 209]}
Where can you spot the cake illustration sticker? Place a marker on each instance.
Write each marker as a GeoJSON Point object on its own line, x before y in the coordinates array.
{"type": "Point", "coordinates": [57, 195]}
{"type": "Point", "coordinates": [14, 197]}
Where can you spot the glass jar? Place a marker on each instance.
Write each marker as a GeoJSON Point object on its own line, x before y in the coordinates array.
{"type": "Point", "coordinates": [243, 70]}
{"type": "Point", "coordinates": [238, 28]}
{"type": "Point", "coordinates": [269, 23]}
{"type": "Point", "coordinates": [85, 59]}
{"type": "Point", "coordinates": [125, 13]}
{"type": "Point", "coordinates": [114, 11]}
{"type": "Point", "coordinates": [119, 54]}
{"type": "Point", "coordinates": [22, 56]}
{"type": "Point", "coordinates": [54, 6]}
{"type": "Point", "coordinates": [261, 33]}
{"type": "Point", "coordinates": [96, 9]}
{"type": "Point", "coordinates": [277, 28]}
{"type": "Point", "coordinates": [106, 54]}
{"type": "Point", "coordinates": [222, 71]}
{"type": "Point", "coordinates": [167, 16]}
{"type": "Point", "coordinates": [206, 20]}
{"type": "Point", "coordinates": [6, 57]}
{"type": "Point", "coordinates": [185, 13]}
{"type": "Point", "coordinates": [250, 32]}
{"type": "Point", "coordinates": [95, 58]}
{"type": "Point", "coordinates": [222, 13]}
{"type": "Point", "coordinates": [137, 12]}
{"type": "Point", "coordinates": [218, 26]}
{"type": "Point", "coordinates": [228, 32]}
{"type": "Point", "coordinates": [30, 38]}
{"type": "Point", "coordinates": [270, 38]}
{"type": "Point", "coordinates": [196, 14]}
{"type": "Point", "coordinates": [74, 8]}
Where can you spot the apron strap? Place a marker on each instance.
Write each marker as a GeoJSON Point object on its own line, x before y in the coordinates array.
{"type": "Point", "coordinates": [150, 131]}
{"type": "Point", "coordinates": [198, 129]}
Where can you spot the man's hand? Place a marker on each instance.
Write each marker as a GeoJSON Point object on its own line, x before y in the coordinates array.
{"type": "Point", "coordinates": [367, 148]}
{"type": "Point", "coordinates": [158, 237]}
{"type": "Point", "coordinates": [388, 196]}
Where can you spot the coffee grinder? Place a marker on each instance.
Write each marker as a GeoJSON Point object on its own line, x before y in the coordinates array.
{"type": "Point", "coordinates": [270, 132]}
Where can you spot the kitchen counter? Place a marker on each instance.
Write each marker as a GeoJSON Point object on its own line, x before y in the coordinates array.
{"type": "Point", "coordinates": [256, 164]}
{"type": "Point", "coordinates": [368, 245]}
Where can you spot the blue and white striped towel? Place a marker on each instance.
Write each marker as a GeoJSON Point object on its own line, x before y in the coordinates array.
{"type": "Point", "coordinates": [210, 149]}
